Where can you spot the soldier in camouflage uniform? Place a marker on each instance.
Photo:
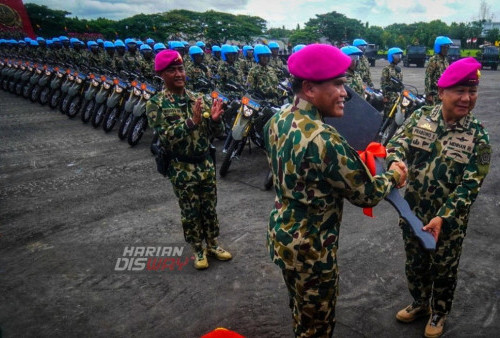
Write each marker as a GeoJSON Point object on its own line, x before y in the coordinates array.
{"type": "Point", "coordinates": [363, 67]}
{"type": "Point", "coordinates": [94, 58]}
{"type": "Point", "coordinates": [261, 78]}
{"type": "Point", "coordinates": [131, 61]}
{"type": "Point", "coordinates": [107, 57]}
{"type": "Point", "coordinates": [448, 154]}
{"type": "Point", "coordinates": [228, 68]}
{"type": "Point", "coordinates": [276, 63]}
{"type": "Point", "coordinates": [435, 67]}
{"type": "Point", "coordinates": [147, 62]}
{"type": "Point", "coordinates": [247, 62]}
{"type": "Point", "coordinates": [176, 116]}
{"type": "Point", "coordinates": [314, 169]}
{"type": "Point", "coordinates": [353, 79]}
{"type": "Point", "coordinates": [390, 89]}
{"type": "Point", "coordinates": [196, 70]}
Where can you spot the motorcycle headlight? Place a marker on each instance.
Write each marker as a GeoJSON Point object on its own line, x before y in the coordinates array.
{"type": "Point", "coordinates": [59, 75]}
{"type": "Point", "coordinates": [119, 89]}
{"type": "Point", "coordinates": [137, 92]}
{"type": "Point", "coordinates": [78, 80]}
{"type": "Point", "coordinates": [147, 96]}
{"type": "Point", "coordinates": [405, 102]}
{"type": "Point", "coordinates": [106, 85]}
{"type": "Point", "coordinates": [47, 73]}
{"type": "Point", "coordinates": [30, 69]}
{"type": "Point", "coordinates": [39, 71]}
{"type": "Point", "coordinates": [71, 77]}
{"type": "Point", "coordinates": [95, 83]}
{"type": "Point", "coordinates": [23, 68]}
{"type": "Point", "coordinates": [247, 112]}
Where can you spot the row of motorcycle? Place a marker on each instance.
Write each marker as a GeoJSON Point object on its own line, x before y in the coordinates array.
{"type": "Point", "coordinates": [98, 95]}
{"type": "Point", "coordinates": [106, 100]}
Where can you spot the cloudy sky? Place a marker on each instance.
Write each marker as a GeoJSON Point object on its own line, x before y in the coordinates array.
{"type": "Point", "coordinates": [288, 12]}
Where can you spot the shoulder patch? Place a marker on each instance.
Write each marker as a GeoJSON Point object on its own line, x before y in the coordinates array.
{"type": "Point", "coordinates": [484, 154]}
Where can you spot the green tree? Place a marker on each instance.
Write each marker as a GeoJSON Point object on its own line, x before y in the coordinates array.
{"type": "Point", "coordinates": [337, 27]}
{"type": "Point", "coordinates": [45, 21]}
{"type": "Point", "coordinates": [493, 35]}
{"type": "Point", "coordinates": [304, 36]}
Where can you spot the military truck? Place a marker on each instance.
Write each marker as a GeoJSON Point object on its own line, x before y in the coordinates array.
{"type": "Point", "coordinates": [454, 51]}
{"type": "Point", "coordinates": [415, 54]}
{"type": "Point", "coordinates": [488, 56]}
{"type": "Point", "coordinates": [371, 52]}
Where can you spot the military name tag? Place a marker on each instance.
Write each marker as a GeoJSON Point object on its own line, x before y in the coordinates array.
{"type": "Point", "coordinates": [459, 147]}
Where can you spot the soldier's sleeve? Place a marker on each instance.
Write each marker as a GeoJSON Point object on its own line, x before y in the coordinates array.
{"type": "Point", "coordinates": [429, 75]}
{"type": "Point", "coordinates": [455, 211]}
{"type": "Point", "coordinates": [383, 79]}
{"type": "Point", "coordinates": [398, 147]}
{"type": "Point", "coordinates": [345, 171]}
{"type": "Point", "coordinates": [152, 110]}
{"type": "Point", "coordinates": [251, 81]}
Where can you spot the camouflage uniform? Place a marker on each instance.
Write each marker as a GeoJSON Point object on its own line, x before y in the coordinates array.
{"type": "Point", "coordinates": [131, 62]}
{"type": "Point", "coordinates": [194, 183]}
{"type": "Point", "coordinates": [314, 169]}
{"type": "Point", "coordinates": [194, 72]}
{"type": "Point", "coordinates": [363, 68]}
{"type": "Point", "coordinates": [355, 82]}
{"type": "Point", "coordinates": [277, 64]}
{"type": "Point", "coordinates": [147, 68]}
{"type": "Point", "coordinates": [94, 59]}
{"type": "Point", "coordinates": [389, 88]}
{"type": "Point", "coordinates": [245, 66]}
{"type": "Point", "coordinates": [107, 61]}
{"type": "Point", "coordinates": [227, 72]}
{"type": "Point", "coordinates": [263, 79]}
{"type": "Point", "coordinates": [436, 66]}
{"type": "Point", "coordinates": [446, 167]}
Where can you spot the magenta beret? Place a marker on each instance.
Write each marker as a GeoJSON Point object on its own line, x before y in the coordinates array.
{"type": "Point", "coordinates": [464, 72]}
{"type": "Point", "coordinates": [318, 62]}
{"type": "Point", "coordinates": [166, 58]}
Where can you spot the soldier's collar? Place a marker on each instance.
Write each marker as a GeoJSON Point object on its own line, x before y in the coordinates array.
{"type": "Point", "coordinates": [462, 124]}
{"type": "Point", "coordinates": [301, 104]}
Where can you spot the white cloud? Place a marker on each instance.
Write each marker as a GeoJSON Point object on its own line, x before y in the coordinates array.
{"type": "Point", "coordinates": [288, 12]}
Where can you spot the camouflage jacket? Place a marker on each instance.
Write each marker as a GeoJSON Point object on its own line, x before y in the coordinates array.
{"type": "Point", "coordinates": [436, 66]}
{"type": "Point", "coordinates": [355, 82]}
{"type": "Point", "coordinates": [170, 115]}
{"type": "Point", "coordinates": [446, 165]}
{"type": "Point", "coordinates": [147, 68]}
{"type": "Point", "coordinates": [314, 169]}
{"type": "Point", "coordinates": [228, 72]}
{"type": "Point", "coordinates": [363, 68]}
{"type": "Point", "coordinates": [93, 60]}
{"type": "Point", "coordinates": [389, 88]}
{"type": "Point", "coordinates": [277, 64]}
{"type": "Point", "coordinates": [194, 72]}
{"type": "Point", "coordinates": [264, 80]}
{"type": "Point", "coordinates": [131, 62]}
{"type": "Point", "coordinates": [245, 66]}
{"type": "Point", "coordinates": [107, 61]}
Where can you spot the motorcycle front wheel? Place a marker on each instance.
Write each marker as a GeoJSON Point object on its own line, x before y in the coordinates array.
{"type": "Point", "coordinates": [228, 157]}
{"type": "Point", "coordinates": [44, 96]}
{"type": "Point", "coordinates": [55, 98]}
{"type": "Point", "coordinates": [99, 115]}
{"type": "Point", "coordinates": [137, 128]}
{"type": "Point", "coordinates": [110, 119]}
{"type": "Point", "coordinates": [125, 125]}
{"type": "Point", "coordinates": [87, 111]}
{"type": "Point", "coordinates": [74, 106]}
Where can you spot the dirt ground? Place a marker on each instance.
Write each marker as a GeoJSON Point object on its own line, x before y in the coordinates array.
{"type": "Point", "coordinates": [73, 198]}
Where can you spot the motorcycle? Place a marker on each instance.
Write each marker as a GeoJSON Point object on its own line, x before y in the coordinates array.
{"type": "Point", "coordinates": [115, 103]}
{"type": "Point", "coordinates": [248, 125]}
{"type": "Point", "coordinates": [93, 106]}
{"type": "Point", "coordinates": [406, 103]}
{"type": "Point", "coordinates": [76, 94]}
{"type": "Point", "coordinates": [93, 85]}
{"type": "Point", "coordinates": [139, 121]}
{"type": "Point", "coordinates": [113, 100]}
{"type": "Point", "coordinates": [36, 72]}
{"type": "Point", "coordinates": [374, 97]}
{"type": "Point", "coordinates": [66, 85]}
{"type": "Point", "coordinates": [56, 93]}
{"type": "Point", "coordinates": [45, 83]}
{"type": "Point", "coordinates": [127, 116]}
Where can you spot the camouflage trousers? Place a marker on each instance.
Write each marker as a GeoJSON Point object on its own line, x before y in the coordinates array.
{"type": "Point", "coordinates": [312, 299]}
{"type": "Point", "coordinates": [432, 276]}
{"type": "Point", "coordinates": [198, 201]}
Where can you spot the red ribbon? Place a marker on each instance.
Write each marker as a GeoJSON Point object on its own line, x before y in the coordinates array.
{"type": "Point", "coordinates": [368, 155]}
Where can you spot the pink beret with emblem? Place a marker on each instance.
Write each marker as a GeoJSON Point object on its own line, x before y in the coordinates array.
{"type": "Point", "coordinates": [464, 72]}
{"type": "Point", "coordinates": [318, 62]}
{"type": "Point", "coordinates": [166, 58]}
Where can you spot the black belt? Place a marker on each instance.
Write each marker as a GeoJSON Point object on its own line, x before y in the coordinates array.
{"type": "Point", "coordinates": [191, 159]}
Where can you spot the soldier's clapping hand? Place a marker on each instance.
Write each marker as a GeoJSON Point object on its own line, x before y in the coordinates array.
{"type": "Point", "coordinates": [402, 169]}
{"type": "Point", "coordinates": [197, 111]}
{"type": "Point", "coordinates": [217, 111]}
